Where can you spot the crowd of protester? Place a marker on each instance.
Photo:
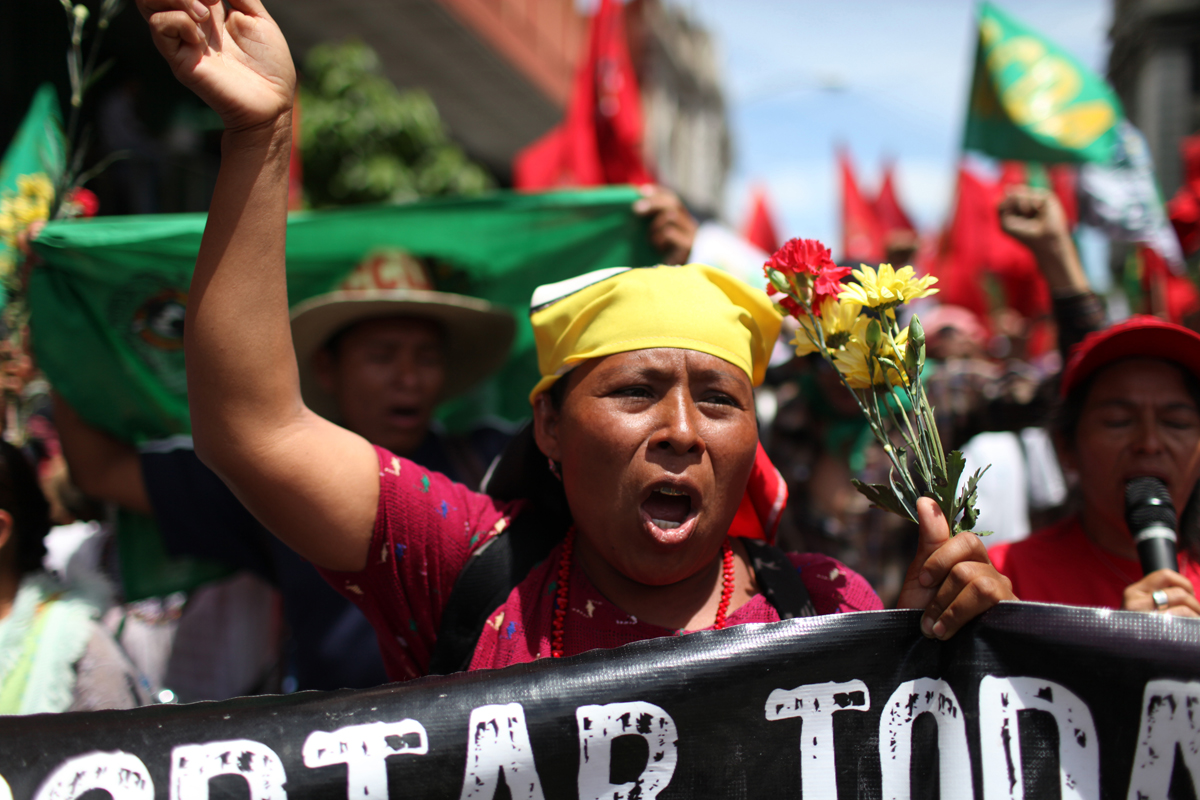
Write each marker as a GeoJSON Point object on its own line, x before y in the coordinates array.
{"type": "Point", "coordinates": [350, 607]}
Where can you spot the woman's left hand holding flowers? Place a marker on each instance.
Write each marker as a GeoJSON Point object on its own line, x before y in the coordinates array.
{"type": "Point", "coordinates": [951, 578]}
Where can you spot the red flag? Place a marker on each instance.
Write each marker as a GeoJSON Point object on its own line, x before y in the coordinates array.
{"type": "Point", "coordinates": [1170, 296]}
{"type": "Point", "coordinates": [1062, 183]}
{"type": "Point", "coordinates": [862, 236]}
{"type": "Point", "coordinates": [961, 257]}
{"type": "Point", "coordinates": [975, 245]}
{"type": "Point", "coordinates": [759, 229]}
{"type": "Point", "coordinates": [600, 139]}
{"type": "Point", "coordinates": [1025, 289]}
{"type": "Point", "coordinates": [1184, 208]}
{"type": "Point", "coordinates": [887, 207]}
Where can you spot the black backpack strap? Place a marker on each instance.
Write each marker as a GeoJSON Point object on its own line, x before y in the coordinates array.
{"type": "Point", "coordinates": [778, 580]}
{"type": "Point", "coordinates": [490, 575]}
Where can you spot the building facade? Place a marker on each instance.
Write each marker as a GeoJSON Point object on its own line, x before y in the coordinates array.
{"type": "Point", "coordinates": [1155, 67]}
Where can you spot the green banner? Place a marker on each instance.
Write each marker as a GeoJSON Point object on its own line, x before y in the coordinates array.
{"type": "Point", "coordinates": [108, 302]}
{"type": "Point", "coordinates": [1033, 101]}
{"type": "Point", "coordinates": [108, 307]}
{"type": "Point", "coordinates": [33, 163]}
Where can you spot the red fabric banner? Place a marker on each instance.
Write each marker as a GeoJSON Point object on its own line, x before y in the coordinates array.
{"type": "Point", "coordinates": [599, 141]}
{"type": "Point", "coordinates": [759, 229]}
{"type": "Point", "coordinates": [888, 210]}
{"type": "Point", "coordinates": [862, 235]}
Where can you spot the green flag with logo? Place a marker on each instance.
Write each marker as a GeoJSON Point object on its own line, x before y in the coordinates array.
{"type": "Point", "coordinates": [1033, 101]}
{"type": "Point", "coordinates": [108, 302]}
{"type": "Point", "coordinates": [108, 307]}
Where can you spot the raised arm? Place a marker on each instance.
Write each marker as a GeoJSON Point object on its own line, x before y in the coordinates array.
{"type": "Point", "coordinates": [312, 483]}
{"type": "Point", "coordinates": [1036, 219]}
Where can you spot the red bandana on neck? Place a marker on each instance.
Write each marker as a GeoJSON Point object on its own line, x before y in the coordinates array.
{"type": "Point", "coordinates": [763, 503]}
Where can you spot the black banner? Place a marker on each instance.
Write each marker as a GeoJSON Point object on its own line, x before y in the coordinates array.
{"type": "Point", "coordinates": [1030, 701]}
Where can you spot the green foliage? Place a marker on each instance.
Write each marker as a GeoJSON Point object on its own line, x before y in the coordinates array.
{"type": "Point", "coordinates": [364, 141]}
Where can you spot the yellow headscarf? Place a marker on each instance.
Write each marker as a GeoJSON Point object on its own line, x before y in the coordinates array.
{"type": "Point", "coordinates": [694, 307]}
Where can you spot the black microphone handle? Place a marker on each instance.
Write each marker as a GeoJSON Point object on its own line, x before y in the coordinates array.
{"type": "Point", "coordinates": [1156, 549]}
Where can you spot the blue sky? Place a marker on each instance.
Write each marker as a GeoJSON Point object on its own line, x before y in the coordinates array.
{"type": "Point", "coordinates": [886, 77]}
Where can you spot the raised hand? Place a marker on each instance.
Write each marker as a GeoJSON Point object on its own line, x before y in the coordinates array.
{"type": "Point", "coordinates": [235, 60]}
{"type": "Point", "coordinates": [672, 226]}
{"type": "Point", "coordinates": [951, 578]}
{"type": "Point", "coordinates": [1033, 217]}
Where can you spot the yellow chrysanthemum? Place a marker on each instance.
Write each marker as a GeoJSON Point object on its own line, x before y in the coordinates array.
{"type": "Point", "coordinates": [27, 210]}
{"type": "Point", "coordinates": [36, 185]}
{"type": "Point", "coordinates": [837, 322]}
{"type": "Point", "coordinates": [852, 361]}
{"type": "Point", "coordinates": [887, 287]}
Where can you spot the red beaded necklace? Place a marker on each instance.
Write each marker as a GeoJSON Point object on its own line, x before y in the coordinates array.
{"type": "Point", "coordinates": [564, 586]}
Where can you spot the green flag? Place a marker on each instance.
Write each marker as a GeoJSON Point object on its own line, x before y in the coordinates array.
{"type": "Point", "coordinates": [108, 306]}
{"type": "Point", "coordinates": [1033, 101]}
{"type": "Point", "coordinates": [32, 165]}
{"type": "Point", "coordinates": [108, 302]}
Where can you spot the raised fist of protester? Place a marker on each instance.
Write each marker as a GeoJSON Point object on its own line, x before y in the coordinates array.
{"type": "Point", "coordinates": [951, 578]}
{"type": "Point", "coordinates": [1036, 219]}
{"type": "Point", "coordinates": [672, 226]}
{"type": "Point", "coordinates": [1164, 591]}
{"type": "Point", "coordinates": [235, 59]}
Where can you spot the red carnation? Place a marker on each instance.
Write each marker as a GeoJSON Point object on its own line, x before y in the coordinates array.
{"type": "Point", "coordinates": [86, 201]}
{"type": "Point", "coordinates": [801, 256]}
{"type": "Point", "coordinates": [791, 306]}
{"type": "Point", "coordinates": [828, 283]}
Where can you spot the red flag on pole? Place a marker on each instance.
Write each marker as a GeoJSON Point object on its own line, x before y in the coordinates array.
{"type": "Point", "coordinates": [887, 207]}
{"type": "Point", "coordinates": [759, 229]}
{"type": "Point", "coordinates": [600, 140]}
{"type": "Point", "coordinates": [862, 237]}
{"type": "Point", "coordinates": [961, 258]}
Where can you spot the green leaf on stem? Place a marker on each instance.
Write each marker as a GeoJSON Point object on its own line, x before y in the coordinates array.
{"type": "Point", "coordinates": [883, 497]}
{"type": "Point", "coordinates": [967, 500]}
{"type": "Point", "coordinates": [946, 489]}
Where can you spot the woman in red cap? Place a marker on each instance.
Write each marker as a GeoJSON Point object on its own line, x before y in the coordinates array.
{"type": "Point", "coordinates": [1130, 408]}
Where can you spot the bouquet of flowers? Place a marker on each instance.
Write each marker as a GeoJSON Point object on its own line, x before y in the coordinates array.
{"type": "Point", "coordinates": [854, 327]}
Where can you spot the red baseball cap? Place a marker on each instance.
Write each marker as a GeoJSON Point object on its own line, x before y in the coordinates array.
{"type": "Point", "coordinates": [1140, 335]}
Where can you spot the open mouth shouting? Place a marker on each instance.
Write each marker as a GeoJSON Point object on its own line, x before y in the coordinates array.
{"type": "Point", "coordinates": [669, 513]}
{"type": "Point", "coordinates": [405, 417]}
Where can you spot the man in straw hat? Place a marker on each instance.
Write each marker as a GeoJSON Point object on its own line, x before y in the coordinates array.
{"type": "Point", "coordinates": [377, 354]}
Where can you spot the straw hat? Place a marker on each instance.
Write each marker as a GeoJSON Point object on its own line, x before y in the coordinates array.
{"type": "Point", "coordinates": [391, 283]}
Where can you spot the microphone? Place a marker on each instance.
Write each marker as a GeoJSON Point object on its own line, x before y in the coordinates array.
{"type": "Point", "coordinates": [1150, 515]}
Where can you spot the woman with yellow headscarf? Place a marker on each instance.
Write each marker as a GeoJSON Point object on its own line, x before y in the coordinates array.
{"type": "Point", "coordinates": [645, 413]}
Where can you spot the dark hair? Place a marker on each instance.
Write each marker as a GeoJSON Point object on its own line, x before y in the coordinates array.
{"type": "Point", "coordinates": [21, 497]}
{"type": "Point", "coordinates": [558, 392]}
